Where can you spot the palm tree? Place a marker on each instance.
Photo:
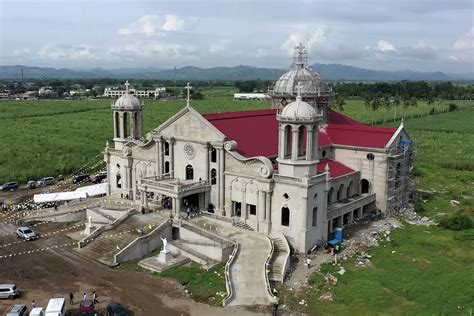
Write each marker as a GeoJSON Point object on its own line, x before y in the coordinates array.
{"type": "Point", "coordinates": [396, 103]}
{"type": "Point", "coordinates": [386, 102]}
{"type": "Point", "coordinates": [339, 104]}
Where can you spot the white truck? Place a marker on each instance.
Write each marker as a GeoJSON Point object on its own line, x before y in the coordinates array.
{"type": "Point", "coordinates": [56, 307]}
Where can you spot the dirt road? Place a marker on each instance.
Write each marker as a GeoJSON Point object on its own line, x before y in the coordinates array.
{"type": "Point", "coordinates": [57, 272]}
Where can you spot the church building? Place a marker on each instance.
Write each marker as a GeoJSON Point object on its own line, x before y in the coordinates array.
{"type": "Point", "coordinates": [298, 168]}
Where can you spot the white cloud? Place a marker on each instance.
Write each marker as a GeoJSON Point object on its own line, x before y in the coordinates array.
{"type": "Point", "coordinates": [173, 23]}
{"type": "Point", "coordinates": [154, 51]}
{"type": "Point", "coordinates": [385, 46]}
{"type": "Point", "coordinates": [466, 41]}
{"type": "Point", "coordinates": [219, 46]}
{"type": "Point", "coordinates": [261, 53]}
{"type": "Point", "coordinates": [153, 25]}
{"type": "Point", "coordinates": [69, 52]}
{"type": "Point", "coordinates": [21, 52]}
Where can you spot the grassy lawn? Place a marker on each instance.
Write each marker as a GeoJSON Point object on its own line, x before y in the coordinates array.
{"type": "Point", "coordinates": [420, 271]}
{"type": "Point", "coordinates": [204, 286]}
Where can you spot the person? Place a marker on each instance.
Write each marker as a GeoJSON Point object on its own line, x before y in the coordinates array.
{"type": "Point", "coordinates": [94, 297]}
{"type": "Point", "coordinates": [71, 298]}
{"type": "Point", "coordinates": [84, 296]}
{"type": "Point", "coordinates": [33, 304]}
{"type": "Point", "coordinates": [338, 247]}
{"type": "Point", "coordinates": [308, 262]}
{"type": "Point", "coordinates": [188, 210]}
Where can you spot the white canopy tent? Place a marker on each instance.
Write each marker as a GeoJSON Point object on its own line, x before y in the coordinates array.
{"type": "Point", "coordinates": [80, 193]}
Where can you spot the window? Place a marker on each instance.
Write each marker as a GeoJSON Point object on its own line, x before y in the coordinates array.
{"type": "Point", "coordinates": [301, 141]}
{"type": "Point", "coordinates": [370, 156]}
{"type": "Point", "coordinates": [323, 153]}
{"type": "Point", "coordinates": [340, 192]}
{"type": "Point", "coordinates": [125, 125]}
{"type": "Point", "coordinates": [349, 189]}
{"type": "Point", "coordinates": [167, 167]}
{"type": "Point", "coordinates": [213, 176]}
{"type": "Point", "coordinates": [286, 196]}
{"type": "Point", "coordinates": [252, 209]}
{"type": "Point", "coordinates": [315, 217]}
{"type": "Point", "coordinates": [364, 186]}
{"type": "Point", "coordinates": [167, 148]}
{"type": "Point", "coordinates": [213, 155]}
{"type": "Point", "coordinates": [330, 196]}
{"type": "Point", "coordinates": [288, 141]}
{"type": "Point", "coordinates": [285, 216]}
{"type": "Point", "coordinates": [315, 197]}
{"type": "Point", "coordinates": [119, 181]}
{"type": "Point", "coordinates": [189, 172]}
{"type": "Point", "coordinates": [117, 125]}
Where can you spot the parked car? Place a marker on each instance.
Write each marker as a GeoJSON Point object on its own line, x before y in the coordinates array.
{"type": "Point", "coordinates": [81, 178]}
{"type": "Point", "coordinates": [31, 184]}
{"type": "Point", "coordinates": [37, 311]}
{"type": "Point", "coordinates": [99, 177]}
{"type": "Point", "coordinates": [60, 177]}
{"type": "Point", "coordinates": [45, 181]}
{"type": "Point", "coordinates": [18, 310]}
{"type": "Point", "coordinates": [56, 307]}
{"type": "Point", "coordinates": [115, 309]}
{"type": "Point", "coordinates": [9, 186]}
{"type": "Point", "coordinates": [87, 307]}
{"type": "Point", "coordinates": [26, 233]}
{"type": "Point", "coordinates": [8, 291]}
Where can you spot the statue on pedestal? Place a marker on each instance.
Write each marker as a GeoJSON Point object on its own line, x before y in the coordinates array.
{"type": "Point", "coordinates": [165, 242]}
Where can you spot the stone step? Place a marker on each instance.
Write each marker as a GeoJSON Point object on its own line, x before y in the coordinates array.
{"type": "Point", "coordinates": [243, 226]}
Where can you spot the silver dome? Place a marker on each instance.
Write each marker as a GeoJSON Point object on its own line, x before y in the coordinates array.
{"type": "Point", "coordinates": [310, 80]}
{"type": "Point", "coordinates": [127, 102]}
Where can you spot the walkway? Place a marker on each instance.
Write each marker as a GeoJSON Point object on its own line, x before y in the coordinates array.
{"type": "Point", "coordinates": [247, 271]}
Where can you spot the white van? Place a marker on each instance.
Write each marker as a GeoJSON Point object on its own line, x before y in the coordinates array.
{"type": "Point", "coordinates": [37, 311]}
{"type": "Point", "coordinates": [56, 307]}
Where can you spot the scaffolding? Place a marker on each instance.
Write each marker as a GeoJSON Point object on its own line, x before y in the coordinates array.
{"type": "Point", "coordinates": [400, 182]}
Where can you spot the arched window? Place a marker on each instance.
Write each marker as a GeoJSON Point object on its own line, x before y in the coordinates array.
{"type": "Point", "coordinates": [287, 141]}
{"type": "Point", "coordinates": [330, 196]}
{"type": "Point", "coordinates": [117, 125]}
{"type": "Point", "coordinates": [301, 141]}
{"type": "Point", "coordinates": [167, 167]}
{"type": "Point", "coordinates": [189, 172]}
{"type": "Point", "coordinates": [285, 216]}
{"type": "Point", "coordinates": [315, 197]}
{"type": "Point", "coordinates": [364, 186]}
{"type": "Point", "coordinates": [213, 176]}
{"type": "Point", "coordinates": [125, 125]}
{"type": "Point", "coordinates": [167, 148]}
{"type": "Point", "coordinates": [315, 217]}
{"type": "Point", "coordinates": [213, 155]}
{"type": "Point", "coordinates": [340, 192]}
{"type": "Point", "coordinates": [119, 181]}
{"type": "Point", "coordinates": [349, 192]}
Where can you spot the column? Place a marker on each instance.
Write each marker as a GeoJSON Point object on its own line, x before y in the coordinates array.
{"type": "Point", "coordinates": [304, 215]}
{"type": "Point", "coordinates": [331, 228]}
{"type": "Point", "coordinates": [360, 213]}
{"type": "Point", "coordinates": [121, 130]}
{"type": "Point", "coordinates": [309, 143]}
{"type": "Point", "coordinates": [173, 207]}
{"type": "Point", "coordinates": [281, 143]}
{"type": "Point", "coordinates": [133, 128]}
{"type": "Point", "coordinates": [244, 206]}
{"type": "Point", "coordinates": [171, 142]}
{"type": "Point", "coordinates": [115, 126]}
{"type": "Point", "coordinates": [159, 158]}
{"type": "Point", "coordinates": [351, 217]}
{"type": "Point", "coordinates": [221, 178]}
{"type": "Point", "coordinates": [261, 206]}
{"type": "Point", "coordinates": [294, 143]}
{"type": "Point", "coordinates": [315, 142]}
{"type": "Point", "coordinates": [268, 210]}
{"type": "Point", "coordinates": [178, 206]}
{"type": "Point", "coordinates": [206, 167]}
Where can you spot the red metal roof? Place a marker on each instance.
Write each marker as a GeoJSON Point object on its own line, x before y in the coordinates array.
{"type": "Point", "coordinates": [336, 169]}
{"type": "Point", "coordinates": [256, 132]}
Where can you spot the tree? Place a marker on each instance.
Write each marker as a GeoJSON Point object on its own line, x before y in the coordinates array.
{"type": "Point", "coordinates": [339, 104]}
{"type": "Point", "coordinates": [396, 102]}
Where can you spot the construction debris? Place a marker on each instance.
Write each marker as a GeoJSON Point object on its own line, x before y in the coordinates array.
{"type": "Point", "coordinates": [327, 297]}
{"type": "Point", "coordinates": [330, 279]}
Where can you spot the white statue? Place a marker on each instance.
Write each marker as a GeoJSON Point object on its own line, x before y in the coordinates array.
{"type": "Point", "coordinates": [90, 220]}
{"type": "Point", "coordinates": [165, 242]}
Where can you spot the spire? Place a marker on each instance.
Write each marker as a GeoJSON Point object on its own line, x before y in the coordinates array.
{"type": "Point", "coordinates": [300, 55]}
{"type": "Point", "coordinates": [326, 169]}
{"type": "Point", "coordinates": [188, 98]}
{"type": "Point", "coordinates": [126, 86]}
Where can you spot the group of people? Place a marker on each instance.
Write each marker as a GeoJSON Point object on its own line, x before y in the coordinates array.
{"type": "Point", "coordinates": [85, 297]}
{"type": "Point", "coordinates": [28, 206]}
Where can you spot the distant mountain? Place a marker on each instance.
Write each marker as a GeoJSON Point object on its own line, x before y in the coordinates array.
{"type": "Point", "coordinates": [330, 72]}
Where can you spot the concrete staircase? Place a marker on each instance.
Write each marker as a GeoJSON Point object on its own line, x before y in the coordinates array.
{"type": "Point", "coordinates": [243, 225]}
{"type": "Point", "coordinates": [278, 260]}
{"type": "Point", "coordinates": [184, 248]}
{"type": "Point", "coordinates": [106, 245]}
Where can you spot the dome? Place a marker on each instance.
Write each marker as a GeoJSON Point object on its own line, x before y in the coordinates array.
{"type": "Point", "coordinates": [310, 80]}
{"type": "Point", "coordinates": [298, 110]}
{"type": "Point", "coordinates": [127, 102]}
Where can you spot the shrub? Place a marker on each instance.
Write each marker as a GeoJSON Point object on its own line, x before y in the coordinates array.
{"type": "Point", "coordinates": [432, 111]}
{"type": "Point", "coordinates": [419, 207]}
{"type": "Point", "coordinates": [458, 221]}
{"type": "Point", "coordinates": [452, 107]}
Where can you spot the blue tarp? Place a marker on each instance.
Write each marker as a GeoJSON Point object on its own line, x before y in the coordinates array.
{"type": "Point", "coordinates": [334, 242]}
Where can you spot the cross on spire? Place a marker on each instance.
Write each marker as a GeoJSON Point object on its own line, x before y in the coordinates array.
{"type": "Point", "coordinates": [299, 87]}
{"type": "Point", "coordinates": [126, 86]}
{"type": "Point", "coordinates": [188, 98]}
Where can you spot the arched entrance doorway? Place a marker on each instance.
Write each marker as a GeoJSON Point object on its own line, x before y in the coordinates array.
{"type": "Point", "coordinates": [364, 186]}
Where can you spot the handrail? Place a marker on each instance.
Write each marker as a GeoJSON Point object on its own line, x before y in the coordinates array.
{"type": "Point", "coordinates": [222, 241]}
{"type": "Point", "coordinates": [267, 270]}
{"type": "Point", "coordinates": [287, 256]}
{"type": "Point", "coordinates": [228, 281]}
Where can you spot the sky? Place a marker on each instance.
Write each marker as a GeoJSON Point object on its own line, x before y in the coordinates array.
{"type": "Point", "coordinates": [420, 35]}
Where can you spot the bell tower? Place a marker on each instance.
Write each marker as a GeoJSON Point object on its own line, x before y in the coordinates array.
{"type": "Point", "coordinates": [128, 118]}
{"type": "Point", "coordinates": [298, 138]}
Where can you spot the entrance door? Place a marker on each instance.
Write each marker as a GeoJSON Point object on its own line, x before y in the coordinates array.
{"type": "Point", "coordinates": [237, 208]}
{"type": "Point", "coordinates": [191, 202]}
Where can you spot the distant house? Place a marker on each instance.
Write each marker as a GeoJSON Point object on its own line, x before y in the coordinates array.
{"type": "Point", "coordinates": [114, 92]}
{"type": "Point", "coordinates": [250, 96]}
{"type": "Point", "coordinates": [4, 94]}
